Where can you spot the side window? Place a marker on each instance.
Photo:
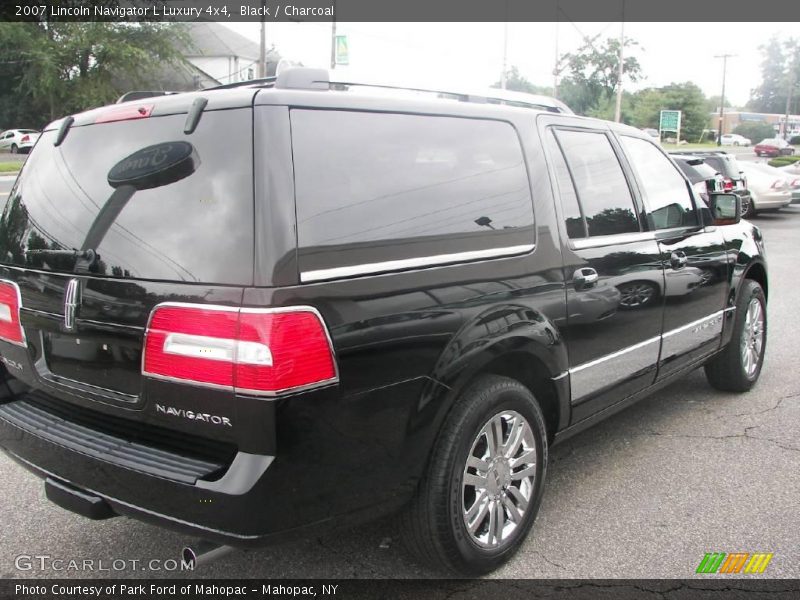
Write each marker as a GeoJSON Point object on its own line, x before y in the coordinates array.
{"type": "Point", "coordinates": [576, 225]}
{"type": "Point", "coordinates": [668, 198]}
{"type": "Point", "coordinates": [599, 183]}
{"type": "Point", "coordinates": [381, 187]}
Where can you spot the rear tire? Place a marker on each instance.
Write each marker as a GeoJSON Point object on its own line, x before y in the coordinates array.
{"type": "Point", "coordinates": [482, 489]}
{"type": "Point", "coordinates": [738, 366]}
{"type": "Point", "coordinates": [14, 149]}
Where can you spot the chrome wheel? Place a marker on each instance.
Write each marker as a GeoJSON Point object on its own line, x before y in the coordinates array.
{"type": "Point", "coordinates": [752, 341]}
{"type": "Point", "coordinates": [635, 295]}
{"type": "Point", "coordinates": [499, 479]}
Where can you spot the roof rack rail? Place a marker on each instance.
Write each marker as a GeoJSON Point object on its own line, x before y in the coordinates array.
{"type": "Point", "coordinates": [309, 78]}
{"type": "Point", "coordinates": [262, 81]}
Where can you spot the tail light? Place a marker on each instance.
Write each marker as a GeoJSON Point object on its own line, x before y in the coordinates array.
{"type": "Point", "coordinates": [26, 138]}
{"type": "Point", "coordinates": [728, 185]}
{"type": "Point", "coordinates": [778, 184]}
{"type": "Point", "coordinates": [123, 113]}
{"type": "Point", "coordinates": [10, 325]}
{"type": "Point", "coordinates": [264, 352]}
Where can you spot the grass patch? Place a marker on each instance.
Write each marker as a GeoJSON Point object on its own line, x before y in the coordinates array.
{"type": "Point", "coordinates": [10, 167]}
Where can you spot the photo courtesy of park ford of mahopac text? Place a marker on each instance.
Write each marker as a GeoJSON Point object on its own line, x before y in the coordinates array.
{"type": "Point", "coordinates": [370, 299]}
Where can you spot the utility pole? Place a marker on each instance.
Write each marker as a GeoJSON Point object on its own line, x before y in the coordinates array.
{"type": "Point", "coordinates": [333, 38]}
{"type": "Point", "coordinates": [555, 62]}
{"type": "Point", "coordinates": [724, 58]}
{"type": "Point", "coordinates": [503, 77]}
{"type": "Point", "coordinates": [262, 55]}
{"type": "Point", "coordinates": [618, 108]}
{"type": "Point", "coordinates": [788, 102]}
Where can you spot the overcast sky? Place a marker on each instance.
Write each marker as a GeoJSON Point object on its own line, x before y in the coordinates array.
{"type": "Point", "coordinates": [470, 55]}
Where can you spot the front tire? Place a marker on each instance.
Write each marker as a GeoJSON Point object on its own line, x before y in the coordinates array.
{"type": "Point", "coordinates": [482, 489]}
{"type": "Point", "coordinates": [738, 366]}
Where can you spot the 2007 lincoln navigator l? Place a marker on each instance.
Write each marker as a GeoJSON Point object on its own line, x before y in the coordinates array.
{"type": "Point", "coordinates": [274, 308]}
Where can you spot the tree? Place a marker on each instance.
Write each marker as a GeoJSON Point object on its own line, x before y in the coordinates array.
{"type": "Point", "coordinates": [755, 131]}
{"type": "Point", "coordinates": [779, 70]}
{"type": "Point", "coordinates": [712, 104]}
{"type": "Point", "coordinates": [65, 67]}
{"type": "Point", "coordinates": [593, 73]}
{"type": "Point", "coordinates": [685, 97]}
{"type": "Point", "coordinates": [517, 82]}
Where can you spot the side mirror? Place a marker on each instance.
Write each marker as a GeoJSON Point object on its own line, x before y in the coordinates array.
{"type": "Point", "coordinates": [726, 209]}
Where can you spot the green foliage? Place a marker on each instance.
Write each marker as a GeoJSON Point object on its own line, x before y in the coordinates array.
{"type": "Point", "coordinates": [685, 97]}
{"type": "Point", "coordinates": [519, 83]}
{"type": "Point", "coordinates": [52, 69]}
{"type": "Point", "coordinates": [782, 161]}
{"type": "Point", "coordinates": [795, 140]}
{"type": "Point", "coordinates": [593, 74]}
{"type": "Point", "coordinates": [780, 68]}
{"type": "Point", "coordinates": [712, 104]}
{"type": "Point", "coordinates": [755, 131]}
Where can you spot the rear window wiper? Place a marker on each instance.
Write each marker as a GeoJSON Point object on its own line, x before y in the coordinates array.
{"type": "Point", "coordinates": [81, 254]}
{"type": "Point", "coordinates": [84, 259]}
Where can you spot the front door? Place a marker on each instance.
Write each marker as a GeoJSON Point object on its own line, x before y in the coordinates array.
{"type": "Point", "coordinates": [694, 259]}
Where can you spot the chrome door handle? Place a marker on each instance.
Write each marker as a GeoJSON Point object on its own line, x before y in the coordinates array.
{"type": "Point", "coordinates": [585, 278]}
{"type": "Point", "coordinates": [677, 260]}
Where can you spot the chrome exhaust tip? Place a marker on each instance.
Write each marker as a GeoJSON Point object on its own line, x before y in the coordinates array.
{"type": "Point", "coordinates": [203, 553]}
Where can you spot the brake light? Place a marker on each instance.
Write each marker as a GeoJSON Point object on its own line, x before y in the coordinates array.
{"type": "Point", "coordinates": [251, 351]}
{"type": "Point", "coordinates": [728, 185]}
{"type": "Point", "coordinates": [123, 113]}
{"type": "Point", "coordinates": [26, 138]}
{"type": "Point", "coordinates": [10, 325]}
{"type": "Point", "coordinates": [778, 184]}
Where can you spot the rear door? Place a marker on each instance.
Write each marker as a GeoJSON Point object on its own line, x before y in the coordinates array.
{"type": "Point", "coordinates": [95, 234]}
{"type": "Point", "coordinates": [694, 258]}
{"type": "Point", "coordinates": [614, 275]}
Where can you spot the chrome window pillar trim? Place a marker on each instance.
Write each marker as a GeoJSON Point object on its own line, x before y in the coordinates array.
{"type": "Point", "coordinates": [420, 262]}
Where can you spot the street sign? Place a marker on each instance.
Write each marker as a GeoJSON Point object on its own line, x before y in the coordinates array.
{"type": "Point", "coordinates": [342, 55]}
{"type": "Point", "coordinates": [670, 120]}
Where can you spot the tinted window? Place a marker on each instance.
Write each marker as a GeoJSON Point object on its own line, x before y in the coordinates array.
{"type": "Point", "coordinates": [666, 193]}
{"type": "Point", "coordinates": [576, 226]}
{"type": "Point", "coordinates": [199, 228]}
{"type": "Point", "coordinates": [696, 172]}
{"type": "Point", "coordinates": [376, 187]}
{"type": "Point", "coordinates": [601, 186]}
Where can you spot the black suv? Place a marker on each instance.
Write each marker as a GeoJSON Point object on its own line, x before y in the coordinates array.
{"type": "Point", "coordinates": [251, 313]}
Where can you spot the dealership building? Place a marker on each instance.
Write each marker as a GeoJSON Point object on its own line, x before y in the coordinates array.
{"type": "Point", "coordinates": [732, 118]}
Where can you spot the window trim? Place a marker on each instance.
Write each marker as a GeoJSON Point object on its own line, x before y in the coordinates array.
{"type": "Point", "coordinates": [416, 263]}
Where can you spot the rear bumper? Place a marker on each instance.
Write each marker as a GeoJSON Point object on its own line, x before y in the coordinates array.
{"type": "Point", "coordinates": [338, 464]}
{"type": "Point", "coordinates": [772, 201]}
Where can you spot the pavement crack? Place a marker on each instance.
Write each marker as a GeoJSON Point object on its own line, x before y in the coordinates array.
{"type": "Point", "coordinates": [744, 435]}
{"type": "Point", "coordinates": [778, 404]}
{"type": "Point", "coordinates": [550, 562]}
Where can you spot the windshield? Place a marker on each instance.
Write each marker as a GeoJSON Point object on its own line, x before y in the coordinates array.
{"type": "Point", "coordinates": [196, 228]}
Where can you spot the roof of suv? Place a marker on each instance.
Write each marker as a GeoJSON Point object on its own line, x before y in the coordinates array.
{"type": "Point", "coordinates": [301, 85]}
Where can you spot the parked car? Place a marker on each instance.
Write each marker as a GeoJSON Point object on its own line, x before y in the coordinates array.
{"type": "Point", "coordinates": [734, 139]}
{"type": "Point", "coordinates": [371, 319]}
{"type": "Point", "coordinates": [733, 178]}
{"type": "Point", "coordinates": [769, 187]}
{"type": "Point", "coordinates": [773, 147]}
{"type": "Point", "coordinates": [790, 172]}
{"type": "Point", "coordinates": [18, 141]}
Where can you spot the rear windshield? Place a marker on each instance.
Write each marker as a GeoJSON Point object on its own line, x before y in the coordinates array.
{"type": "Point", "coordinates": [698, 172]}
{"type": "Point", "coordinates": [197, 228]}
{"type": "Point", "coordinates": [726, 165]}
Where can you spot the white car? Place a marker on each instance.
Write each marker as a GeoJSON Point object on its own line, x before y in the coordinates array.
{"type": "Point", "coordinates": [18, 140]}
{"type": "Point", "coordinates": [769, 187]}
{"type": "Point", "coordinates": [734, 139]}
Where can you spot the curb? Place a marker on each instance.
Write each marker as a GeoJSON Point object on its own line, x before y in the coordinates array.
{"type": "Point", "coordinates": [9, 176]}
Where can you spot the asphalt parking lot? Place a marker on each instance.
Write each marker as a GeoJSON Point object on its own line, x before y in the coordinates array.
{"type": "Point", "coordinates": [643, 495]}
